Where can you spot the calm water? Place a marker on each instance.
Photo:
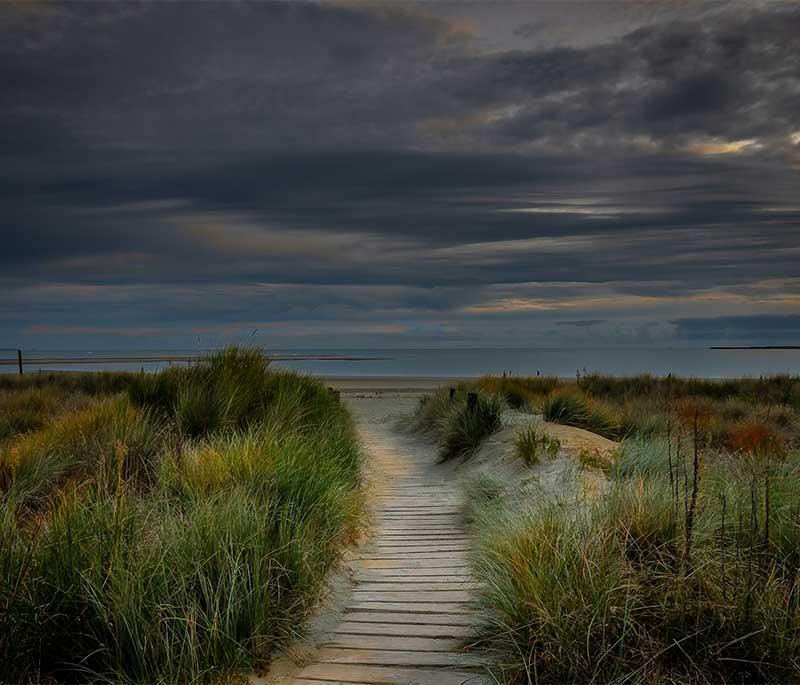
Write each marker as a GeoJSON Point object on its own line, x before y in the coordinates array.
{"type": "Point", "coordinates": [476, 361]}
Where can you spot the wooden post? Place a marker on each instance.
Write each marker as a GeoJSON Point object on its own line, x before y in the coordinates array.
{"type": "Point", "coordinates": [19, 361]}
{"type": "Point", "coordinates": [472, 401]}
{"type": "Point", "coordinates": [452, 393]}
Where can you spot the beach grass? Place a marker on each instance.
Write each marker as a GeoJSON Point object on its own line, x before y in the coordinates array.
{"type": "Point", "coordinates": [682, 567]}
{"type": "Point", "coordinates": [459, 423]}
{"type": "Point", "coordinates": [738, 415]}
{"type": "Point", "coordinates": [145, 540]}
{"type": "Point", "coordinates": [531, 445]}
{"type": "Point", "coordinates": [665, 578]}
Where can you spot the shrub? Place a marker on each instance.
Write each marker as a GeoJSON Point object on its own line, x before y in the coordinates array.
{"type": "Point", "coordinates": [555, 600]}
{"type": "Point", "coordinates": [754, 438]}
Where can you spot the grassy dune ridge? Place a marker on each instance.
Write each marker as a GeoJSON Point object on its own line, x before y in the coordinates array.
{"type": "Point", "coordinates": [683, 569]}
{"type": "Point", "coordinates": [176, 532]}
{"type": "Point", "coordinates": [733, 410]}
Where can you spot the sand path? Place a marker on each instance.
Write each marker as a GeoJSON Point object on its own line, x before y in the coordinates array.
{"type": "Point", "coordinates": [410, 609]}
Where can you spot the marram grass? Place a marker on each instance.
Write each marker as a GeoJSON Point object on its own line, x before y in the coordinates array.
{"type": "Point", "coordinates": [609, 590]}
{"type": "Point", "coordinates": [140, 547]}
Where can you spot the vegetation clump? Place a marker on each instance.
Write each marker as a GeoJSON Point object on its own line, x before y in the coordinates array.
{"type": "Point", "coordinates": [142, 540]}
{"type": "Point", "coordinates": [737, 414]}
{"type": "Point", "coordinates": [520, 392]}
{"type": "Point", "coordinates": [573, 409]}
{"type": "Point", "coordinates": [684, 570]}
{"type": "Point", "coordinates": [459, 422]}
{"type": "Point", "coordinates": [531, 444]}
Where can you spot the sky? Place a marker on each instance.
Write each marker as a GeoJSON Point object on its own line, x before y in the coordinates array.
{"type": "Point", "coordinates": [377, 175]}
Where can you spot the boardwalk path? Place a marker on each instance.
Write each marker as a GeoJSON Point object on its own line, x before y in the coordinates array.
{"type": "Point", "coordinates": [410, 610]}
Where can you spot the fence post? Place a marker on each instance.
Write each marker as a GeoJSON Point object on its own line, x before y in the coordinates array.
{"type": "Point", "coordinates": [19, 361]}
{"type": "Point", "coordinates": [452, 393]}
{"type": "Point", "coordinates": [472, 401]}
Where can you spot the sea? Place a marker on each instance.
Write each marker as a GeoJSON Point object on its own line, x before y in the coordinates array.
{"type": "Point", "coordinates": [468, 361]}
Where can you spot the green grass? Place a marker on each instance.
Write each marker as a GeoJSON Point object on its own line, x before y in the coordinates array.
{"type": "Point", "coordinates": [458, 426]}
{"type": "Point", "coordinates": [609, 590]}
{"type": "Point", "coordinates": [572, 409]}
{"type": "Point", "coordinates": [140, 547]}
{"type": "Point", "coordinates": [519, 392]}
{"type": "Point", "coordinates": [683, 567]}
{"type": "Point", "coordinates": [30, 408]}
{"type": "Point", "coordinates": [98, 383]}
{"type": "Point", "coordinates": [650, 406]}
{"type": "Point", "coordinates": [531, 445]}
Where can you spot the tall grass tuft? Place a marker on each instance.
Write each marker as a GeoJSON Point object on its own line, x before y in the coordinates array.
{"type": "Point", "coordinates": [459, 423]}
{"type": "Point", "coordinates": [82, 443]}
{"type": "Point", "coordinates": [531, 445]}
{"type": "Point", "coordinates": [573, 409]}
{"type": "Point", "coordinates": [469, 425]}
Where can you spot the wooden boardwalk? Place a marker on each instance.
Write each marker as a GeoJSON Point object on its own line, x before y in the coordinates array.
{"type": "Point", "coordinates": [411, 609]}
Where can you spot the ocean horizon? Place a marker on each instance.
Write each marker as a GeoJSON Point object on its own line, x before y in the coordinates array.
{"type": "Point", "coordinates": [462, 361]}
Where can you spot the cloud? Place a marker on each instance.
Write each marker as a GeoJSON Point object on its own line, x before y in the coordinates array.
{"type": "Point", "coordinates": [374, 169]}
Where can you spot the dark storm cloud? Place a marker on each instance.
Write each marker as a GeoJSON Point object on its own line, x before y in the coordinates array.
{"type": "Point", "coordinates": [279, 158]}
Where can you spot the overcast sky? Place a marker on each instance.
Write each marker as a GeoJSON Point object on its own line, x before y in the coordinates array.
{"type": "Point", "coordinates": [341, 174]}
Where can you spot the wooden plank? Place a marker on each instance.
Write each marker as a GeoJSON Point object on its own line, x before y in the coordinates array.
{"type": "Point", "coordinates": [389, 657]}
{"type": "Point", "coordinates": [396, 586]}
{"type": "Point", "coordinates": [408, 618]}
{"type": "Point", "coordinates": [430, 521]}
{"type": "Point", "coordinates": [418, 630]}
{"type": "Point", "coordinates": [409, 529]}
{"type": "Point", "coordinates": [386, 576]}
{"type": "Point", "coordinates": [402, 538]}
{"type": "Point", "coordinates": [307, 681]}
{"type": "Point", "coordinates": [421, 607]}
{"type": "Point", "coordinates": [421, 541]}
{"type": "Point", "coordinates": [389, 676]}
{"type": "Point", "coordinates": [419, 551]}
{"type": "Point", "coordinates": [415, 563]}
{"type": "Point", "coordinates": [420, 516]}
{"type": "Point", "coordinates": [413, 596]}
{"type": "Point", "coordinates": [411, 582]}
{"type": "Point", "coordinates": [395, 642]}
{"type": "Point", "coordinates": [459, 555]}
{"type": "Point", "coordinates": [419, 572]}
